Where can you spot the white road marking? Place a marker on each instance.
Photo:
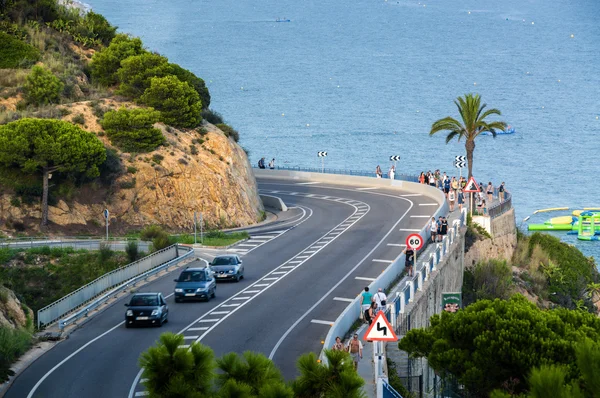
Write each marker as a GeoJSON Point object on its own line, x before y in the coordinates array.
{"type": "Point", "coordinates": [409, 195]}
{"type": "Point", "coordinates": [262, 284]}
{"type": "Point", "coordinates": [261, 237]}
{"type": "Point", "coordinates": [230, 305]}
{"type": "Point", "coordinates": [246, 291]}
{"type": "Point", "coordinates": [141, 393]}
{"type": "Point", "coordinates": [302, 257]}
{"type": "Point", "coordinates": [308, 183]}
{"type": "Point", "coordinates": [240, 298]}
{"type": "Point", "coordinates": [296, 262]}
{"type": "Point", "coordinates": [348, 300]}
{"type": "Point", "coordinates": [310, 252]}
{"type": "Point", "coordinates": [420, 216]}
{"type": "Point", "coordinates": [197, 329]}
{"type": "Point", "coordinates": [279, 272]}
{"type": "Point", "coordinates": [270, 279]}
{"type": "Point", "coordinates": [330, 323]}
{"type": "Point", "coordinates": [208, 320]}
{"type": "Point", "coordinates": [246, 245]}
{"type": "Point", "coordinates": [219, 313]}
{"type": "Point", "coordinates": [364, 278]}
{"type": "Point", "coordinates": [409, 230]}
{"type": "Point", "coordinates": [428, 204]}
{"type": "Point", "coordinates": [190, 337]}
{"type": "Point", "coordinates": [397, 244]}
{"type": "Point", "coordinates": [376, 260]}
{"type": "Point", "coordinates": [365, 189]}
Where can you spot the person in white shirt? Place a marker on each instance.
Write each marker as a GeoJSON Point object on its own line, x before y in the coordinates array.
{"type": "Point", "coordinates": [381, 299]}
{"type": "Point", "coordinates": [392, 172]}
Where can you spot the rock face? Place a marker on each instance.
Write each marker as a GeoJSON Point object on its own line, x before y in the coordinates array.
{"type": "Point", "coordinates": [502, 245]}
{"type": "Point", "coordinates": [11, 312]}
{"type": "Point", "coordinates": [208, 173]}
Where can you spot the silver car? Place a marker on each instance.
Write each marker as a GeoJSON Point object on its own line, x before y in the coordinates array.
{"type": "Point", "coordinates": [227, 267]}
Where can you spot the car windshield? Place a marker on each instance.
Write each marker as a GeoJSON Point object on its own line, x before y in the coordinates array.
{"type": "Point", "coordinates": [144, 301]}
{"type": "Point", "coordinates": [224, 261]}
{"type": "Point", "coordinates": [192, 276]}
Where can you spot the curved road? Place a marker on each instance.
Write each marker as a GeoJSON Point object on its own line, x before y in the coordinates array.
{"type": "Point", "coordinates": [298, 278]}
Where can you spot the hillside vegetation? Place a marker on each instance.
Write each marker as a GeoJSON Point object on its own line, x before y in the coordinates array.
{"type": "Point", "coordinates": [147, 119]}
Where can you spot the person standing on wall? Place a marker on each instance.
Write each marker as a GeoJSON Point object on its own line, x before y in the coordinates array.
{"type": "Point", "coordinates": [501, 190]}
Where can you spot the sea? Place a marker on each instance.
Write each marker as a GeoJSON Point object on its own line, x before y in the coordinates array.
{"type": "Point", "coordinates": [365, 79]}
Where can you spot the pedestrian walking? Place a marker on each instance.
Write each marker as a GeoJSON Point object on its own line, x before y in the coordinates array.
{"type": "Point", "coordinates": [422, 178]}
{"type": "Point", "coordinates": [451, 199]}
{"type": "Point", "coordinates": [381, 299]}
{"type": "Point", "coordinates": [439, 229]}
{"type": "Point", "coordinates": [392, 172]}
{"type": "Point", "coordinates": [454, 185]}
{"type": "Point", "coordinates": [461, 200]}
{"type": "Point", "coordinates": [409, 260]}
{"type": "Point", "coordinates": [433, 228]}
{"type": "Point", "coordinates": [443, 227]}
{"type": "Point", "coordinates": [261, 163]}
{"type": "Point", "coordinates": [490, 192]}
{"type": "Point", "coordinates": [338, 346]}
{"type": "Point", "coordinates": [446, 186]}
{"type": "Point", "coordinates": [367, 299]}
{"type": "Point", "coordinates": [501, 190]}
{"type": "Point", "coordinates": [355, 349]}
{"type": "Point", "coordinates": [272, 164]}
{"type": "Point", "coordinates": [432, 179]}
{"type": "Point", "coordinates": [378, 172]}
{"type": "Point", "coordinates": [436, 174]}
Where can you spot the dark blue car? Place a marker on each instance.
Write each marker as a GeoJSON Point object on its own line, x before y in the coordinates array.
{"type": "Point", "coordinates": [195, 284]}
{"type": "Point", "coordinates": [146, 309]}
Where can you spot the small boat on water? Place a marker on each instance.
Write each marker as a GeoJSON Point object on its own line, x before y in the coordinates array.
{"type": "Point", "coordinates": [283, 20]}
{"type": "Point", "coordinates": [509, 130]}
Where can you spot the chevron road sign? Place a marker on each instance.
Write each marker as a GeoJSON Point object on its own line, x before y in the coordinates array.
{"type": "Point", "coordinates": [460, 165]}
{"type": "Point", "coordinates": [460, 158]}
{"type": "Point", "coordinates": [322, 154]}
{"type": "Point", "coordinates": [395, 158]}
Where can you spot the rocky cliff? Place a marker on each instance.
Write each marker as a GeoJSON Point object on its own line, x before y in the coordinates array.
{"type": "Point", "coordinates": [198, 170]}
{"type": "Point", "coordinates": [12, 313]}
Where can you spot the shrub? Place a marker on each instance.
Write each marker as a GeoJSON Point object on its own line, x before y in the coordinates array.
{"type": "Point", "coordinates": [488, 280]}
{"type": "Point", "coordinates": [229, 131]}
{"type": "Point", "coordinates": [112, 166]}
{"type": "Point", "coordinates": [106, 63]}
{"type": "Point", "coordinates": [160, 242]}
{"type": "Point", "coordinates": [131, 170]}
{"type": "Point", "coordinates": [195, 82]}
{"type": "Point", "coordinates": [183, 161]}
{"type": "Point", "coordinates": [89, 29]}
{"type": "Point", "coordinates": [79, 119]}
{"type": "Point", "coordinates": [15, 53]}
{"type": "Point", "coordinates": [13, 343]}
{"type": "Point", "coordinates": [137, 71]}
{"type": "Point", "coordinates": [150, 232]}
{"type": "Point", "coordinates": [132, 131]}
{"type": "Point", "coordinates": [128, 184]}
{"type": "Point", "coordinates": [212, 117]}
{"type": "Point", "coordinates": [104, 253]}
{"type": "Point", "coordinates": [178, 103]}
{"type": "Point", "coordinates": [157, 158]}
{"type": "Point", "coordinates": [193, 150]}
{"type": "Point", "coordinates": [132, 251]}
{"type": "Point", "coordinates": [15, 202]}
{"type": "Point", "coordinates": [42, 87]}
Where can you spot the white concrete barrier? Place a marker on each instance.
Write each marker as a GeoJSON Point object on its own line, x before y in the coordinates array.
{"type": "Point", "coordinates": [273, 202]}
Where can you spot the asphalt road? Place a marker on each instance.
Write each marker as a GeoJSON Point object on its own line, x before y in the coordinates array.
{"type": "Point", "coordinates": [298, 279]}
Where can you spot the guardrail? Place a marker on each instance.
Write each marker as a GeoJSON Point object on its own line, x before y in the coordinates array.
{"type": "Point", "coordinates": [501, 207]}
{"type": "Point", "coordinates": [120, 277]}
{"type": "Point", "coordinates": [358, 173]}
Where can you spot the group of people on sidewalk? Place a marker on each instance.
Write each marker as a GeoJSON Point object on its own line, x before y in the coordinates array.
{"type": "Point", "coordinates": [261, 164]}
{"type": "Point", "coordinates": [391, 172]}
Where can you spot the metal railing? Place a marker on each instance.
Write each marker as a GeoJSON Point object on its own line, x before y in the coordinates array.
{"type": "Point", "coordinates": [497, 209]}
{"type": "Point", "coordinates": [359, 173]}
{"type": "Point", "coordinates": [92, 290]}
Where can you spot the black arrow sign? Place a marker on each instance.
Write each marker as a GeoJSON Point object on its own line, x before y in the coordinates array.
{"type": "Point", "coordinates": [380, 328]}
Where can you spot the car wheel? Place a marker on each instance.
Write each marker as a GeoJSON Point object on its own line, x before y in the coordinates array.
{"type": "Point", "coordinates": [237, 279]}
{"type": "Point", "coordinates": [214, 293]}
{"type": "Point", "coordinates": [127, 325]}
{"type": "Point", "coordinates": [177, 300]}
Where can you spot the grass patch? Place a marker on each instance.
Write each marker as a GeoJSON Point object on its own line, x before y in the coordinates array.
{"type": "Point", "coordinates": [42, 275]}
{"type": "Point", "coordinates": [15, 53]}
{"type": "Point", "coordinates": [211, 238]}
{"type": "Point", "coordinates": [13, 344]}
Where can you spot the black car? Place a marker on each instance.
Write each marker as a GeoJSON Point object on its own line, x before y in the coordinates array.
{"type": "Point", "coordinates": [227, 267]}
{"type": "Point", "coordinates": [146, 309]}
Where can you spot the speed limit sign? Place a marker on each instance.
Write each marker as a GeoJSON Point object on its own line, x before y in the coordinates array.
{"type": "Point", "coordinates": [414, 241]}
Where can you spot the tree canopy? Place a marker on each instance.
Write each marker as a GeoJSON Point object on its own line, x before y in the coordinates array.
{"type": "Point", "coordinates": [178, 103]}
{"type": "Point", "coordinates": [106, 62]}
{"type": "Point", "coordinates": [195, 82]}
{"type": "Point", "coordinates": [492, 342]}
{"type": "Point", "coordinates": [473, 115]}
{"type": "Point", "coordinates": [42, 87]}
{"type": "Point", "coordinates": [137, 71]}
{"type": "Point", "coordinates": [132, 131]}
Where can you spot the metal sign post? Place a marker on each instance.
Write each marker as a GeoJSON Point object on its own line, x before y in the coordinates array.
{"type": "Point", "coordinates": [322, 155]}
{"type": "Point", "coordinates": [459, 163]}
{"type": "Point", "coordinates": [195, 229]}
{"type": "Point", "coordinates": [415, 242]}
{"type": "Point", "coordinates": [201, 230]}
{"type": "Point", "coordinates": [106, 216]}
{"type": "Point", "coordinates": [395, 159]}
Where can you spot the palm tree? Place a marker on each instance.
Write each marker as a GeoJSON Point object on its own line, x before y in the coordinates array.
{"type": "Point", "coordinates": [337, 379]}
{"type": "Point", "coordinates": [473, 116]}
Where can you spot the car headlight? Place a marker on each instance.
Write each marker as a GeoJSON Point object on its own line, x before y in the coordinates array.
{"type": "Point", "coordinates": [129, 313]}
{"type": "Point", "coordinates": [200, 289]}
{"type": "Point", "coordinates": [154, 312]}
{"type": "Point", "coordinates": [178, 290]}
{"type": "Point", "coordinates": [231, 271]}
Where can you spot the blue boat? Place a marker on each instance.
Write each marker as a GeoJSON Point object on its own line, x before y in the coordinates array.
{"type": "Point", "coordinates": [283, 20]}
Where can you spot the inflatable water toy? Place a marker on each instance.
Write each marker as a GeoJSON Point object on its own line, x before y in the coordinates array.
{"type": "Point", "coordinates": [589, 230]}
{"type": "Point", "coordinates": [550, 227]}
{"type": "Point", "coordinates": [560, 220]}
{"type": "Point", "coordinates": [576, 213]}
{"type": "Point", "coordinates": [551, 209]}
{"type": "Point", "coordinates": [568, 223]}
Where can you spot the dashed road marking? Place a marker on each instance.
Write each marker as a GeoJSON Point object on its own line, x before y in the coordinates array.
{"type": "Point", "coordinates": [286, 266]}
{"type": "Point", "coordinates": [330, 323]}
{"type": "Point", "coordinates": [364, 278]}
{"type": "Point", "coordinates": [348, 300]}
{"type": "Point", "coordinates": [428, 204]}
{"type": "Point", "coordinates": [409, 230]}
{"type": "Point", "coordinates": [279, 272]}
{"type": "Point", "coordinates": [230, 305]}
{"type": "Point", "coordinates": [247, 291]}
{"type": "Point", "coordinates": [397, 244]}
{"type": "Point", "coordinates": [262, 285]}
{"type": "Point", "coordinates": [270, 279]}
{"type": "Point", "coordinates": [376, 260]}
{"type": "Point", "coordinates": [190, 337]}
{"type": "Point", "coordinates": [240, 298]}
{"type": "Point", "coordinates": [420, 216]}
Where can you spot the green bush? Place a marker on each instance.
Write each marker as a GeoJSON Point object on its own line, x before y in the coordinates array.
{"type": "Point", "coordinates": [137, 71]}
{"type": "Point", "coordinates": [89, 29]}
{"type": "Point", "coordinates": [15, 202]}
{"type": "Point", "coordinates": [487, 280]}
{"type": "Point", "coordinates": [13, 344]}
{"type": "Point", "coordinates": [132, 251]}
{"type": "Point", "coordinates": [195, 82]}
{"type": "Point", "coordinates": [106, 63]}
{"type": "Point", "coordinates": [132, 131]}
{"type": "Point", "coordinates": [229, 131]}
{"type": "Point", "coordinates": [23, 10]}
{"type": "Point", "coordinates": [177, 102]}
{"type": "Point", "coordinates": [150, 232]}
{"type": "Point", "coordinates": [79, 119]}
{"type": "Point", "coordinates": [15, 53]}
{"type": "Point", "coordinates": [212, 117]}
{"type": "Point", "coordinates": [157, 158]}
{"type": "Point", "coordinates": [42, 87]}
{"type": "Point", "coordinates": [160, 242]}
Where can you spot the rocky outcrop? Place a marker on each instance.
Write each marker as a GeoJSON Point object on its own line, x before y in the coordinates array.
{"type": "Point", "coordinates": [204, 172]}
{"type": "Point", "coordinates": [12, 314]}
{"type": "Point", "coordinates": [501, 246]}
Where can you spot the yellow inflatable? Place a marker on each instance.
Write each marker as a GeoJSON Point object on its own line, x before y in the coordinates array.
{"type": "Point", "coordinates": [576, 213]}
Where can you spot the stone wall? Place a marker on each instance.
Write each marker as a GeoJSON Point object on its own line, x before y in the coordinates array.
{"type": "Point", "coordinates": [501, 246]}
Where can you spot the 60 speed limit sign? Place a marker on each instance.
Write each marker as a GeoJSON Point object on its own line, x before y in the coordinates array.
{"type": "Point", "coordinates": [414, 241]}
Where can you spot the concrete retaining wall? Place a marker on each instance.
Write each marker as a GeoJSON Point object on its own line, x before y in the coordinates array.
{"type": "Point", "coordinates": [501, 246]}
{"type": "Point", "coordinates": [273, 202]}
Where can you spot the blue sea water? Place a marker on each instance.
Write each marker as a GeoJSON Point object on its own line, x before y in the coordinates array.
{"type": "Point", "coordinates": [365, 79]}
